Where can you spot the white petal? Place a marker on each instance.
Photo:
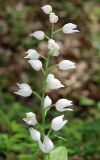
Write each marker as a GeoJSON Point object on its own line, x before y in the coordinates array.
{"type": "Point", "coordinates": [66, 64]}
{"type": "Point", "coordinates": [47, 101]}
{"type": "Point", "coordinates": [56, 53]}
{"type": "Point", "coordinates": [53, 18]}
{"type": "Point", "coordinates": [24, 90]}
{"type": "Point", "coordinates": [48, 144]}
{"type": "Point", "coordinates": [58, 122]}
{"type": "Point", "coordinates": [38, 35]}
{"type": "Point", "coordinates": [47, 9]}
{"type": "Point", "coordinates": [53, 83]}
{"type": "Point", "coordinates": [54, 47]}
{"type": "Point", "coordinates": [36, 64]}
{"type": "Point", "coordinates": [30, 118]}
{"type": "Point", "coordinates": [69, 28]}
{"type": "Point", "coordinates": [32, 54]}
{"type": "Point", "coordinates": [41, 146]}
{"type": "Point", "coordinates": [50, 76]}
{"type": "Point", "coordinates": [35, 134]}
{"type": "Point", "coordinates": [62, 103]}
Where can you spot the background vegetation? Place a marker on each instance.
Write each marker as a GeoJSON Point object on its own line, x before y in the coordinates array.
{"type": "Point", "coordinates": [18, 18]}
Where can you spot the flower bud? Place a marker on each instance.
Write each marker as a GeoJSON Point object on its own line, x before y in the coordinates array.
{"type": "Point", "coordinates": [70, 28]}
{"type": "Point", "coordinates": [66, 64]}
{"type": "Point", "coordinates": [61, 105]}
{"type": "Point", "coordinates": [32, 54]}
{"type": "Point", "coordinates": [54, 47]}
{"type": "Point", "coordinates": [47, 145]}
{"type": "Point", "coordinates": [58, 122]}
{"type": "Point", "coordinates": [47, 101]}
{"type": "Point", "coordinates": [30, 118]}
{"type": "Point", "coordinates": [35, 134]}
{"type": "Point", "coordinates": [53, 83]}
{"type": "Point", "coordinates": [38, 35]}
{"type": "Point", "coordinates": [53, 18]}
{"type": "Point", "coordinates": [47, 9]}
{"type": "Point", "coordinates": [36, 64]}
{"type": "Point", "coordinates": [24, 90]}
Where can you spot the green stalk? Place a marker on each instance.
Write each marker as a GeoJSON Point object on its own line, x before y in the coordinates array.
{"type": "Point", "coordinates": [57, 31]}
{"type": "Point", "coordinates": [46, 72]}
{"type": "Point", "coordinates": [37, 95]}
{"type": "Point", "coordinates": [52, 31]}
{"type": "Point", "coordinates": [43, 94]}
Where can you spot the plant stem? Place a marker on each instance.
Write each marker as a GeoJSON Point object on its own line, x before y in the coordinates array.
{"type": "Point", "coordinates": [37, 95]}
{"type": "Point", "coordinates": [43, 94]}
{"type": "Point", "coordinates": [46, 71]}
{"type": "Point", "coordinates": [52, 31]}
{"type": "Point", "coordinates": [47, 37]}
{"type": "Point", "coordinates": [53, 66]}
{"type": "Point", "coordinates": [57, 31]}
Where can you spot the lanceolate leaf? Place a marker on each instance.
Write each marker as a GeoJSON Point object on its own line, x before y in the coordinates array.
{"type": "Point", "coordinates": [59, 153]}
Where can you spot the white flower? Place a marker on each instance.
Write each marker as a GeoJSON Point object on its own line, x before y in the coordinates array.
{"type": "Point", "coordinates": [32, 54]}
{"type": "Point", "coordinates": [70, 28]}
{"type": "Point", "coordinates": [47, 9]}
{"type": "Point", "coordinates": [47, 145]}
{"type": "Point", "coordinates": [54, 47]}
{"type": "Point", "coordinates": [66, 64]}
{"type": "Point", "coordinates": [53, 18]}
{"type": "Point", "coordinates": [30, 118]}
{"type": "Point", "coordinates": [38, 35]}
{"type": "Point", "coordinates": [53, 83]}
{"type": "Point", "coordinates": [58, 122]}
{"type": "Point", "coordinates": [35, 134]}
{"type": "Point", "coordinates": [24, 90]}
{"type": "Point", "coordinates": [36, 64]}
{"type": "Point", "coordinates": [61, 105]}
{"type": "Point", "coordinates": [47, 101]}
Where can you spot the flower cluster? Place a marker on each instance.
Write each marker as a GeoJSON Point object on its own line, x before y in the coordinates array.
{"type": "Point", "coordinates": [50, 82]}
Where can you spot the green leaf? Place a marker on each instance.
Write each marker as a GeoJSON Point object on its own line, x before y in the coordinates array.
{"type": "Point", "coordinates": [59, 153]}
{"type": "Point", "coordinates": [47, 157]}
{"type": "Point", "coordinates": [85, 101]}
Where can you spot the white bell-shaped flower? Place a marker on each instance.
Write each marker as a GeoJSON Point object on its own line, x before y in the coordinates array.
{"type": "Point", "coordinates": [35, 134]}
{"type": "Point", "coordinates": [38, 35]}
{"type": "Point", "coordinates": [58, 123]}
{"type": "Point", "coordinates": [53, 83]}
{"type": "Point", "coordinates": [54, 47]}
{"type": "Point", "coordinates": [62, 105]}
{"type": "Point", "coordinates": [70, 28]}
{"type": "Point", "coordinates": [47, 145]}
{"type": "Point", "coordinates": [53, 18]}
{"type": "Point", "coordinates": [47, 101]}
{"type": "Point", "coordinates": [66, 65]}
{"type": "Point", "coordinates": [36, 64]}
{"type": "Point", "coordinates": [24, 90]}
{"type": "Point", "coordinates": [30, 118]}
{"type": "Point", "coordinates": [47, 9]}
{"type": "Point", "coordinates": [32, 54]}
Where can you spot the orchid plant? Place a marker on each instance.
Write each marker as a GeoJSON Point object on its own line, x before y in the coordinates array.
{"type": "Point", "coordinates": [50, 82]}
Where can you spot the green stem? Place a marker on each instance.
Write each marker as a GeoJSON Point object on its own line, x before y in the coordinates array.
{"type": "Point", "coordinates": [53, 66]}
{"type": "Point", "coordinates": [43, 57]}
{"type": "Point", "coordinates": [37, 95]}
{"type": "Point", "coordinates": [49, 131]}
{"type": "Point", "coordinates": [44, 85]}
{"type": "Point", "coordinates": [52, 31]}
{"type": "Point", "coordinates": [43, 92]}
{"type": "Point", "coordinates": [47, 37]}
{"type": "Point", "coordinates": [57, 31]}
{"type": "Point", "coordinates": [53, 105]}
